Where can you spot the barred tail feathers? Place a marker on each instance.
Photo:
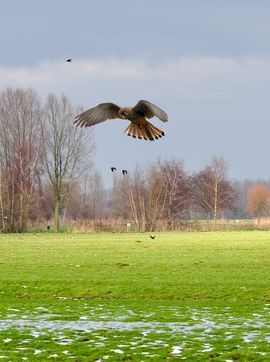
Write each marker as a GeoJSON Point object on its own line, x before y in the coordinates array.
{"type": "Point", "coordinates": [146, 131]}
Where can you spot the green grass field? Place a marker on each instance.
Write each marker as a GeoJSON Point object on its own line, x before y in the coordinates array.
{"type": "Point", "coordinates": [125, 297]}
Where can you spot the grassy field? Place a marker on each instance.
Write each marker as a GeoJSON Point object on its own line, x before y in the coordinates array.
{"type": "Point", "coordinates": [126, 297]}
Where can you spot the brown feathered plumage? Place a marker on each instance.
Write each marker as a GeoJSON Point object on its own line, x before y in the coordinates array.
{"type": "Point", "coordinates": [138, 115]}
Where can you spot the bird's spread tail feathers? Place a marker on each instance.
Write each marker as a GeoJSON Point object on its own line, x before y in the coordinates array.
{"type": "Point", "coordinates": [144, 131]}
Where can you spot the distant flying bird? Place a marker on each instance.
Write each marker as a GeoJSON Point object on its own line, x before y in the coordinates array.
{"type": "Point", "coordinates": [152, 236]}
{"type": "Point", "coordinates": [69, 60]}
{"type": "Point", "coordinates": [138, 115]}
{"type": "Point", "coordinates": [124, 172]}
{"type": "Point", "coordinates": [113, 169]}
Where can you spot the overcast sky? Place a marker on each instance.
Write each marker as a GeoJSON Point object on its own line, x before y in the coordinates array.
{"type": "Point", "coordinates": [207, 63]}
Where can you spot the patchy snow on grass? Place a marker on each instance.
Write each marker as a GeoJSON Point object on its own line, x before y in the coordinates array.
{"type": "Point", "coordinates": [192, 331]}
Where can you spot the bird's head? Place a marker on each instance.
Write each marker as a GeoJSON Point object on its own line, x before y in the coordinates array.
{"type": "Point", "coordinates": [124, 112]}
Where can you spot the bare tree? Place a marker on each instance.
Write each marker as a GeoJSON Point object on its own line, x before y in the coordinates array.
{"type": "Point", "coordinates": [131, 197]}
{"type": "Point", "coordinates": [87, 198]}
{"type": "Point", "coordinates": [158, 192]}
{"type": "Point", "coordinates": [211, 190]}
{"type": "Point", "coordinates": [134, 192]}
{"type": "Point", "coordinates": [20, 156]}
{"type": "Point", "coordinates": [96, 195]}
{"type": "Point", "coordinates": [177, 190]}
{"type": "Point", "coordinates": [67, 148]}
{"type": "Point", "coordinates": [258, 201]}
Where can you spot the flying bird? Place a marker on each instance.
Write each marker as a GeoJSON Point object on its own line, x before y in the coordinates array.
{"type": "Point", "coordinates": [152, 236]}
{"type": "Point", "coordinates": [138, 115]}
{"type": "Point", "coordinates": [69, 60]}
{"type": "Point", "coordinates": [124, 172]}
{"type": "Point", "coordinates": [113, 169]}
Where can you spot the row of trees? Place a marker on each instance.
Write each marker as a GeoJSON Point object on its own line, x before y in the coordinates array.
{"type": "Point", "coordinates": [165, 192]}
{"type": "Point", "coordinates": [162, 193]}
{"type": "Point", "coordinates": [46, 171]}
{"type": "Point", "coordinates": [40, 151]}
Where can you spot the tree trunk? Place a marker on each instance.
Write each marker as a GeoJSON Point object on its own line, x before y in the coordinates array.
{"type": "Point", "coordinates": [57, 201]}
{"type": "Point", "coordinates": [1, 203]}
{"type": "Point", "coordinates": [215, 201]}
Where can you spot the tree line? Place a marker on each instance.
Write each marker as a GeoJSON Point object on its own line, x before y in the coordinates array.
{"type": "Point", "coordinates": [41, 156]}
{"type": "Point", "coordinates": [47, 175]}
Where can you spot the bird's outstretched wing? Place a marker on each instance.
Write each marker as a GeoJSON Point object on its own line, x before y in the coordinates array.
{"type": "Point", "coordinates": [97, 114]}
{"type": "Point", "coordinates": [150, 110]}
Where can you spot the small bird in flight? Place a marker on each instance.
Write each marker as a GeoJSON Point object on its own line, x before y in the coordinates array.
{"type": "Point", "coordinates": [138, 115]}
{"type": "Point", "coordinates": [113, 169]}
{"type": "Point", "coordinates": [124, 172]}
{"type": "Point", "coordinates": [69, 60]}
{"type": "Point", "coordinates": [152, 236]}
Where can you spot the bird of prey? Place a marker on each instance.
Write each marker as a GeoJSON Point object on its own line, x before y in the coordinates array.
{"type": "Point", "coordinates": [69, 60]}
{"type": "Point", "coordinates": [124, 172]}
{"type": "Point", "coordinates": [113, 169]}
{"type": "Point", "coordinates": [138, 115]}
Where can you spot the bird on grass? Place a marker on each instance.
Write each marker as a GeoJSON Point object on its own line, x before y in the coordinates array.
{"type": "Point", "coordinates": [113, 169]}
{"type": "Point", "coordinates": [124, 172]}
{"type": "Point", "coordinates": [138, 115]}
